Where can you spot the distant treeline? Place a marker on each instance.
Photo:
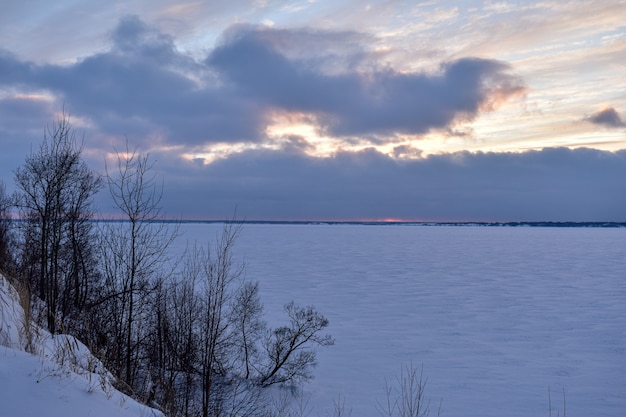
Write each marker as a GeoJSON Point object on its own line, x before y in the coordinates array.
{"type": "Point", "coordinates": [402, 223]}
{"type": "Point", "coordinates": [371, 223]}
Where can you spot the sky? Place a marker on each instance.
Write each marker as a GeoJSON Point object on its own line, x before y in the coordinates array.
{"type": "Point", "coordinates": [333, 110]}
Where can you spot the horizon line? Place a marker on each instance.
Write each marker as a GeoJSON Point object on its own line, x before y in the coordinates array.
{"type": "Point", "coordinates": [517, 223]}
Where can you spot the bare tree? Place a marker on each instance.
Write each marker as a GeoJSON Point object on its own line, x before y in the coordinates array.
{"type": "Point", "coordinates": [177, 340]}
{"type": "Point", "coordinates": [407, 398]}
{"type": "Point", "coordinates": [55, 190]}
{"type": "Point", "coordinates": [219, 274]}
{"type": "Point", "coordinates": [289, 349]}
{"type": "Point", "coordinates": [249, 327]}
{"type": "Point", "coordinates": [135, 253]}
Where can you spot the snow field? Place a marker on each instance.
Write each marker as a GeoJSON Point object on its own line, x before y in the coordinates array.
{"type": "Point", "coordinates": [497, 316]}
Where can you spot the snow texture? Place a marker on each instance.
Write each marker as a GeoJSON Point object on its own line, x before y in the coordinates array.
{"type": "Point", "coordinates": [62, 378]}
{"type": "Point", "coordinates": [496, 316]}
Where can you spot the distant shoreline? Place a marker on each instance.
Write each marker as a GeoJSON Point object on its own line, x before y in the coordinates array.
{"type": "Point", "coordinates": [379, 223]}
{"type": "Point", "coordinates": [400, 223]}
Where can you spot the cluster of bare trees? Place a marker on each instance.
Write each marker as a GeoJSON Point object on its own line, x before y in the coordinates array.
{"type": "Point", "coordinates": [212, 339]}
{"type": "Point", "coordinates": [186, 335]}
{"type": "Point", "coordinates": [55, 190]}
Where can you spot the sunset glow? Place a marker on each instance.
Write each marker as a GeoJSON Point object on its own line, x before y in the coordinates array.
{"type": "Point", "coordinates": [312, 98]}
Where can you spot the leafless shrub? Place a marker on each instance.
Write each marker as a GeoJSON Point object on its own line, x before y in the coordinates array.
{"type": "Point", "coordinates": [339, 408]}
{"type": "Point", "coordinates": [550, 404]}
{"type": "Point", "coordinates": [407, 398]}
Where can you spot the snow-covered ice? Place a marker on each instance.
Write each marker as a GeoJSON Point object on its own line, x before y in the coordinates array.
{"type": "Point", "coordinates": [496, 316]}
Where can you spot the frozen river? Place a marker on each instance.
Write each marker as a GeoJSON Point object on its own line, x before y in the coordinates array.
{"type": "Point", "coordinates": [496, 316]}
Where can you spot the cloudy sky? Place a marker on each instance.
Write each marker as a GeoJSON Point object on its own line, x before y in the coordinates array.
{"type": "Point", "coordinates": [333, 110]}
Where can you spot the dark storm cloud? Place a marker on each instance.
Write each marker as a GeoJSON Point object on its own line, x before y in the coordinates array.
{"type": "Point", "coordinates": [143, 86]}
{"type": "Point", "coordinates": [12, 71]}
{"type": "Point", "coordinates": [20, 114]}
{"type": "Point", "coordinates": [352, 103]}
{"type": "Point", "coordinates": [20, 121]}
{"type": "Point", "coordinates": [608, 117]}
{"type": "Point", "coordinates": [553, 184]}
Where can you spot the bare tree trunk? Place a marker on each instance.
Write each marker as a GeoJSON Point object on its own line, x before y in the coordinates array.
{"type": "Point", "coordinates": [137, 249]}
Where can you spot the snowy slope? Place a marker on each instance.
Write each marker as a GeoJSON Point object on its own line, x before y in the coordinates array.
{"type": "Point", "coordinates": [62, 380]}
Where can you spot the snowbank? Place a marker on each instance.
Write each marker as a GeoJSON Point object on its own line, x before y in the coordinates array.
{"type": "Point", "coordinates": [62, 379]}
